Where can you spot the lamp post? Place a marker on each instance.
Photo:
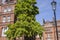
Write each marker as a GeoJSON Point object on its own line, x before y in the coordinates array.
{"type": "Point", "coordinates": [53, 3]}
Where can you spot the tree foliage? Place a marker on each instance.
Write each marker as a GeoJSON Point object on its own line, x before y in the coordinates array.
{"type": "Point", "coordinates": [26, 24]}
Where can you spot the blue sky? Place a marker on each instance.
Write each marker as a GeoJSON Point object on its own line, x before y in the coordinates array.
{"type": "Point", "coordinates": [45, 10]}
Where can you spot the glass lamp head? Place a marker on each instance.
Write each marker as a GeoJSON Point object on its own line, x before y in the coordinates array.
{"type": "Point", "coordinates": [53, 5]}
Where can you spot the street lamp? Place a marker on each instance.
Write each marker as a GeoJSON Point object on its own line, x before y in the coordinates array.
{"type": "Point", "coordinates": [53, 3]}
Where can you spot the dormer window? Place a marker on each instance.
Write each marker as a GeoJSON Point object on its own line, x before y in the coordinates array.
{"type": "Point", "coordinates": [4, 1]}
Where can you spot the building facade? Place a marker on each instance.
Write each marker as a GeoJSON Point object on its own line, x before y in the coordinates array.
{"type": "Point", "coordinates": [6, 16]}
{"type": "Point", "coordinates": [50, 30]}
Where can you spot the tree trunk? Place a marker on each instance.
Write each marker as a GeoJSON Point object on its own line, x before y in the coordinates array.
{"type": "Point", "coordinates": [29, 38]}
{"type": "Point", "coordinates": [14, 38]}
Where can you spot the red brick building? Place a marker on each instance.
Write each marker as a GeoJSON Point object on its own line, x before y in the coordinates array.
{"type": "Point", "coordinates": [50, 30]}
{"type": "Point", "coordinates": [6, 15]}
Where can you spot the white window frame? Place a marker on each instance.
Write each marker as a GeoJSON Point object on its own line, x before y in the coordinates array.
{"type": "Point", "coordinates": [4, 30]}
{"type": "Point", "coordinates": [5, 10]}
{"type": "Point", "coordinates": [48, 35]}
{"type": "Point", "coordinates": [4, 19]}
{"type": "Point", "coordinates": [8, 19]}
{"type": "Point", "coordinates": [8, 9]}
{"type": "Point", "coordinates": [3, 1]}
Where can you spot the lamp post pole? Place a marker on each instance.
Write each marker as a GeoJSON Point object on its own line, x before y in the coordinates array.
{"type": "Point", "coordinates": [53, 3]}
{"type": "Point", "coordinates": [56, 25]}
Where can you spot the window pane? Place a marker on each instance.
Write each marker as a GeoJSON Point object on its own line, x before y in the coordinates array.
{"type": "Point", "coordinates": [4, 19]}
{"type": "Point", "coordinates": [8, 18]}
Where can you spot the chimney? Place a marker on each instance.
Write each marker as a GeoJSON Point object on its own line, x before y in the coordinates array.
{"type": "Point", "coordinates": [43, 21]}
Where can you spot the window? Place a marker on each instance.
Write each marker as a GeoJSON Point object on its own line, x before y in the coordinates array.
{"type": "Point", "coordinates": [8, 18]}
{"type": "Point", "coordinates": [8, 9]}
{"type": "Point", "coordinates": [4, 19]}
{"type": "Point", "coordinates": [48, 29]}
{"type": "Point", "coordinates": [5, 10]}
{"type": "Point", "coordinates": [4, 30]}
{"type": "Point", "coordinates": [48, 39]}
{"type": "Point", "coordinates": [49, 36]}
{"type": "Point", "coordinates": [4, 1]}
{"type": "Point", "coordinates": [37, 36]}
{"type": "Point", "coordinates": [59, 34]}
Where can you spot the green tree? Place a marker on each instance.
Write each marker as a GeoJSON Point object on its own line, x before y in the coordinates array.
{"type": "Point", "coordinates": [25, 21]}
